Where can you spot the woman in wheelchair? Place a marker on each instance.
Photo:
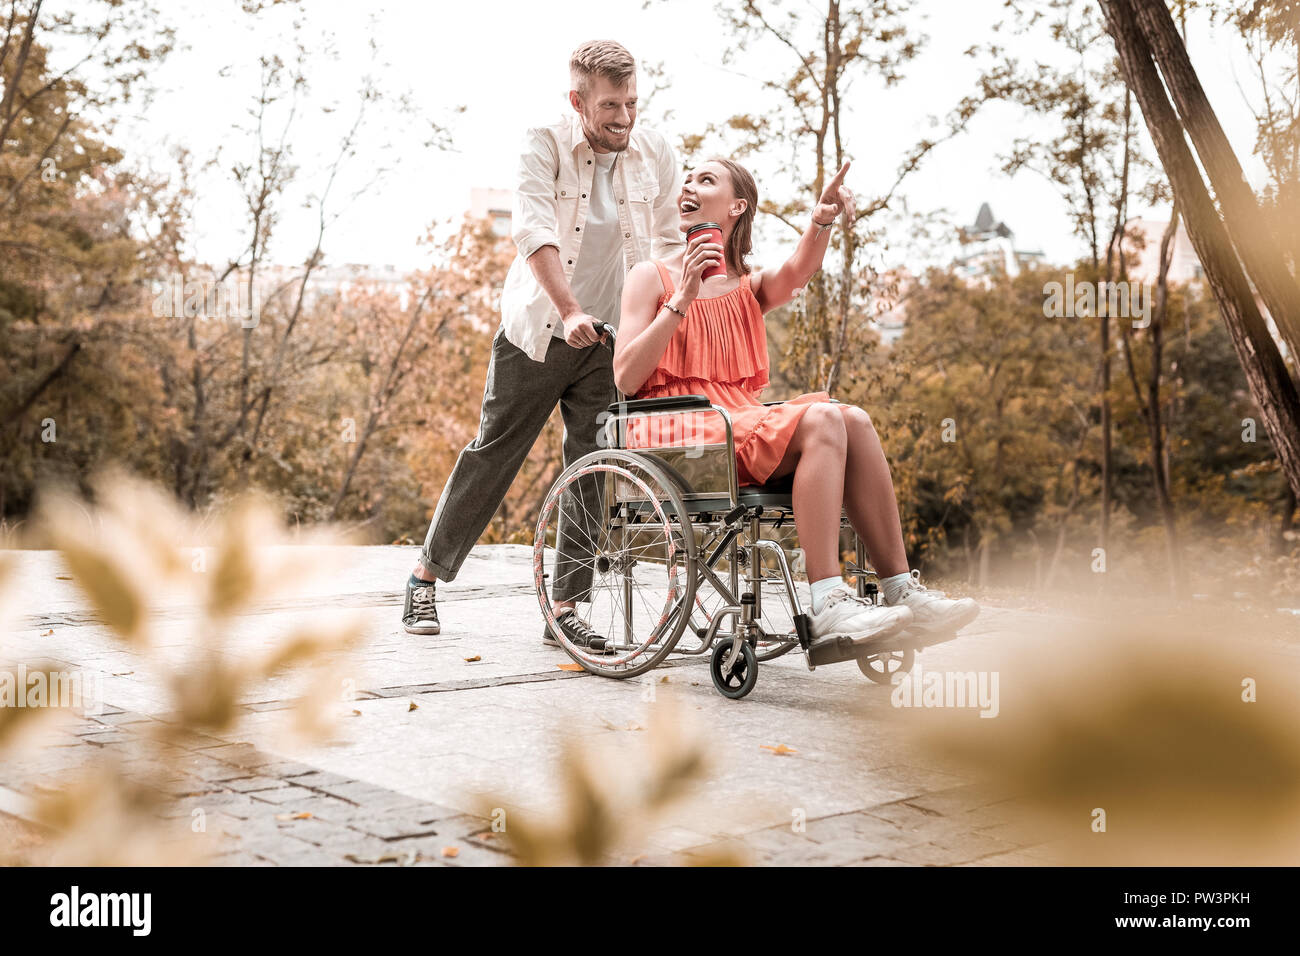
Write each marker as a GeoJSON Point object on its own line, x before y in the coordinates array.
{"type": "Point", "coordinates": [681, 334]}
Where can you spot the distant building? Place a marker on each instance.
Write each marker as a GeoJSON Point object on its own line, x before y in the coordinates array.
{"type": "Point", "coordinates": [1142, 261]}
{"type": "Point", "coordinates": [988, 246]}
{"type": "Point", "coordinates": [494, 204]}
{"type": "Point", "coordinates": [326, 281]}
{"type": "Point", "coordinates": [889, 304]}
{"type": "Point", "coordinates": [1142, 253]}
{"type": "Point", "coordinates": [333, 280]}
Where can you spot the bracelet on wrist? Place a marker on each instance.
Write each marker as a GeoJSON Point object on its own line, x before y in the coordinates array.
{"type": "Point", "coordinates": [673, 308]}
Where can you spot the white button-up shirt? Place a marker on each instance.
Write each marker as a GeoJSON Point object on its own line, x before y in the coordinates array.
{"type": "Point", "coordinates": [550, 209]}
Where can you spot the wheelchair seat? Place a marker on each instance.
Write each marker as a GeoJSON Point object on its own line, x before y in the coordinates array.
{"type": "Point", "coordinates": [775, 494]}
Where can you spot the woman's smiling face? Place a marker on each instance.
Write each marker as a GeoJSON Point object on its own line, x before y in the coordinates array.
{"type": "Point", "coordinates": [708, 196]}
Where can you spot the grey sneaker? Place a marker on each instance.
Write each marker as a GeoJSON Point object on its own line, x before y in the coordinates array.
{"type": "Point", "coordinates": [578, 633]}
{"type": "Point", "coordinates": [420, 616]}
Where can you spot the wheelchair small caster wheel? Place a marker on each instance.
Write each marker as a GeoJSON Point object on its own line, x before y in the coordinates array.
{"type": "Point", "coordinates": [743, 676]}
{"type": "Point", "coordinates": [883, 665]}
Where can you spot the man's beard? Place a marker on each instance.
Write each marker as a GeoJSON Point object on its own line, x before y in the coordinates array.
{"type": "Point", "coordinates": [599, 136]}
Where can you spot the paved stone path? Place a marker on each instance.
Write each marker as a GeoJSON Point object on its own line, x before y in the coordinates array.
{"type": "Point", "coordinates": [484, 708]}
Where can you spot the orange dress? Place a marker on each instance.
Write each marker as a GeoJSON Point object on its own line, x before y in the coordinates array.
{"type": "Point", "coordinates": [720, 350]}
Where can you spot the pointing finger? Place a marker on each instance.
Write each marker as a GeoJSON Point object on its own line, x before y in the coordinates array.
{"type": "Point", "coordinates": [838, 178]}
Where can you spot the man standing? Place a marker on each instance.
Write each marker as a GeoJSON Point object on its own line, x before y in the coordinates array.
{"type": "Point", "coordinates": [593, 197]}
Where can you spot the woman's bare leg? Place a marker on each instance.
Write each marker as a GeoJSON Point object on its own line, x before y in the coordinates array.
{"type": "Point", "coordinates": [869, 494]}
{"type": "Point", "coordinates": [816, 455]}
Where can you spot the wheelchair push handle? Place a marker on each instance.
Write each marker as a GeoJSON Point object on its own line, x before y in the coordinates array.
{"type": "Point", "coordinates": [604, 328]}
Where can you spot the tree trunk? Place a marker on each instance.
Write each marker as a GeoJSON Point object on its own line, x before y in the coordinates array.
{"type": "Point", "coordinates": [1105, 431]}
{"type": "Point", "coordinates": [1260, 249]}
{"type": "Point", "coordinates": [1282, 545]}
{"type": "Point", "coordinates": [1159, 460]}
{"type": "Point", "coordinates": [1062, 528]}
{"type": "Point", "coordinates": [1266, 373]}
{"type": "Point", "coordinates": [44, 383]}
{"type": "Point", "coordinates": [968, 554]}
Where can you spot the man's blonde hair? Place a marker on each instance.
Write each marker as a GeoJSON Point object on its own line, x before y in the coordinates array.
{"type": "Point", "coordinates": [600, 58]}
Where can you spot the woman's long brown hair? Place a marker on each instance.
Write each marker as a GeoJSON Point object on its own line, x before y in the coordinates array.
{"type": "Point", "coordinates": [741, 242]}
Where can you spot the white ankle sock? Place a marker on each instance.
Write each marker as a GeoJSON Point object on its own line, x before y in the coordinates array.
{"type": "Point", "coordinates": [822, 588]}
{"type": "Point", "coordinates": [892, 586]}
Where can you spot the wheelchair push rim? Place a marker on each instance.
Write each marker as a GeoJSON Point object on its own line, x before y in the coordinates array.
{"type": "Point", "coordinates": [627, 527]}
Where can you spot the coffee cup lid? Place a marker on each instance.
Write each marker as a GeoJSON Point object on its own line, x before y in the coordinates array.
{"type": "Point", "coordinates": [703, 225]}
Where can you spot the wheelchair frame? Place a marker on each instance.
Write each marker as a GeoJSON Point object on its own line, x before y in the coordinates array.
{"type": "Point", "coordinates": [732, 526]}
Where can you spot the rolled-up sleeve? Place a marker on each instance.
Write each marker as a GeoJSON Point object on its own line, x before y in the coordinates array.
{"type": "Point", "coordinates": [667, 237]}
{"type": "Point", "coordinates": [536, 219]}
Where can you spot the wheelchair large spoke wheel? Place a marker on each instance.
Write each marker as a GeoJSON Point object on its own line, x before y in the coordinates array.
{"type": "Point", "coordinates": [738, 681]}
{"type": "Point", "coordinates": [882, 667]}
{"type": "Point", "coordinates": [614, 536]}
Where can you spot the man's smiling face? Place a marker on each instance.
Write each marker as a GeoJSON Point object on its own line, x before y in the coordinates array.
{"type": "Point", "coordinates": [608, 113]}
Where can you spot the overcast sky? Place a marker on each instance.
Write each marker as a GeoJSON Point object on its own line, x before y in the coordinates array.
{"type": "Point", "coordinates": [505, 62]}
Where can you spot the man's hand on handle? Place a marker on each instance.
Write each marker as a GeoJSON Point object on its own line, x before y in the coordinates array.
{"type": "Point", "coordinates": [580, 330]}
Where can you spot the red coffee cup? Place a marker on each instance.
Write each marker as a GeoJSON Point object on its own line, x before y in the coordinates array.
{"type": "Point", "coordinates": [720, 268]}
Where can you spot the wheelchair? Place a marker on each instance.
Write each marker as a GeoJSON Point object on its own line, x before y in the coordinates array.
{"type": "Point", "coordinates": [662, 540]}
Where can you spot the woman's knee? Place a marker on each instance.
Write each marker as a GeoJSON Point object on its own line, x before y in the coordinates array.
{"type": "Point", "coordinates": [822, 424]}
{"type": "Point", "coordinates": [855, 418]}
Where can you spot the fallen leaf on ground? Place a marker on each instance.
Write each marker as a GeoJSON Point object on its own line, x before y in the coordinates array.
{"type": "Point", "coordinates": [631, 724]}
{"type": "Point", "coordinates": [401, 859]}
{"type": "Point", "coordinates": [414, 706]}
{"type": "Point", "coordinates": [780, 750]}
{"type": "Point", "coordinates": [355, 713]}
{"type": "Point", "coordinates": [293, 816]}
{"type": "Point", "coordinates": [48, 633]}
{"type": "Point", "coordinates": [451, 851]}
{"type": "Point", "coordinates": [571, 666]}
{"type": "Point", "coordinates": [485, 835]}
{"type": "Point", "coordinates": [471, 660]}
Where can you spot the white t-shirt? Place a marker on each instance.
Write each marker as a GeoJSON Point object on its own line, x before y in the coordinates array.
{"type": "Point", "coordinates": [597, 281]}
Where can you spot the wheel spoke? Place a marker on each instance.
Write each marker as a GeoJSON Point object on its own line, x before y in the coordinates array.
{"type": "Point", "coordinates": [635, 557]}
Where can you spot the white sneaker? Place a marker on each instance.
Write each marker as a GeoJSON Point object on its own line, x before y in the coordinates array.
{"type": "Point", "coordinates": [932, 612]}
{"type": "Point", "coordinates": [843, 613]}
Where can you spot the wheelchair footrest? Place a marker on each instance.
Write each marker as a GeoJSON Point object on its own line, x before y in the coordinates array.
{"type": "Point", "coordinates": [834, 651]}
{"type": "Point", "coordinates": [843, 649]}
{"type": "Point", "coordinates": [923, 641]}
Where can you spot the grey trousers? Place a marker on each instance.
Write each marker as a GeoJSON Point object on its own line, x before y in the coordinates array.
{"type": "Point", "coordinates": [518, 398]}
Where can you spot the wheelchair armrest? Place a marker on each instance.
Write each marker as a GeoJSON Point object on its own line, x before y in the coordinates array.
{"type": "Point", "coordinates": [834, 401]}
{"type": "Point", "coordinates": [669, 403]}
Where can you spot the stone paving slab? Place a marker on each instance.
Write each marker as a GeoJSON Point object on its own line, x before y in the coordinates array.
{"type": "Point", "coordinates": [432, 739]}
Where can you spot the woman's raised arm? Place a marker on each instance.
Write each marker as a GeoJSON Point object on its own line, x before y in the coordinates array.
{"type": "Point", "coordinates": [777, 287]}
